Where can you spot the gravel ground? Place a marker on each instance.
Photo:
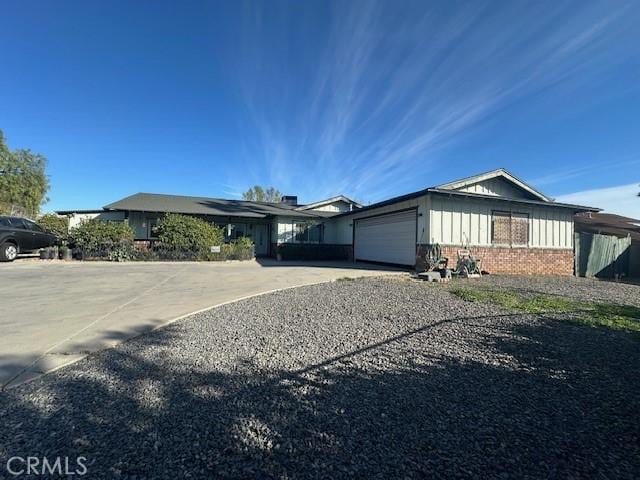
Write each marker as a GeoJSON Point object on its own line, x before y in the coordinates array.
{"type": "Point", "coordinates": [382, 378]}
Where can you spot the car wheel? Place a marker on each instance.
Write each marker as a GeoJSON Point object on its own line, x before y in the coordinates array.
{"type": "Point", "coordinates": [8, 252]}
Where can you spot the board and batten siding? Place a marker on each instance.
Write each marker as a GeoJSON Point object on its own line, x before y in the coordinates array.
{"type": "Point", "coordinates": [497, 187]}
{"type": "Point", "coordinates": [139, 222]}
{"type": "Point", "coordinates": [338, 231]}
{"type": "Point", "coordinates": [468, 222]}
{"type": "Point", "coordinates": [338, 206]}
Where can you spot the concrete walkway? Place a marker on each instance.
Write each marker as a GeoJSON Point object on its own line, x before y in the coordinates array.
{"type": "Point", "coordinates": [55, 313]}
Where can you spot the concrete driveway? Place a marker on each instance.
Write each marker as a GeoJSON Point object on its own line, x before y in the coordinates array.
{"type": "Point", "coordinates": [54, 313]}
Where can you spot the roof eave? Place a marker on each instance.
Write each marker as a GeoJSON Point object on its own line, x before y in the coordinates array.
{"type": "Point", "coordinates": [438, 191]}
{"type": "Point", "coordinates": [384, 203]}
{"type": "Point", "coordinates": [327, 201]}
{"type": "Point", "coordinates": [577, 208]}
{"type": "Point", "coordinates": [70, 212]}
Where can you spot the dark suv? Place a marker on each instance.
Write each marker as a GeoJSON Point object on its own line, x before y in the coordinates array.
{"type": "Point", "coordinates": [19, 235]}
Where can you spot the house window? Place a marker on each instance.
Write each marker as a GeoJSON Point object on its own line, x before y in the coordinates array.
{"type": "Point", "coordinates": [510, 228]}
{"type": "Point", "coordinates": [306, 232]}
{"type": "Point", "coordinates": [519, 228]}
{"type": "Point", "coordinates": [299, 232]}
{"type": "Point", "coordinates": [315, 233]}
{"type": "Point", "coordinates": [234, 231]}
{"type": "Point", "coordinates": [153, 228]}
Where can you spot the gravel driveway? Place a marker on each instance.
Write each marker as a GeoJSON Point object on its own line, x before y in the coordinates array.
{"type": "Point", "coordinates": [382, 378]}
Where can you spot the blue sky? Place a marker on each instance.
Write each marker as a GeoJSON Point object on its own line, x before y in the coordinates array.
{"type": "Point", "coordinates": [369, 99]}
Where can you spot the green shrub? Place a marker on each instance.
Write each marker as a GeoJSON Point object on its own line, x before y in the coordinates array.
{"type": "Point", "coordinates": [592, 314]}
{"type": "Point", "coordinates": [55, 224]}
{"type": "Point", "coordinates": [240, 249]}
{"type": "Point", "coordinates": [243, 242]}
{"type": "Point", "coordinates": [98, 239]}
{"type": "Point", "coordinates": [187, 237]}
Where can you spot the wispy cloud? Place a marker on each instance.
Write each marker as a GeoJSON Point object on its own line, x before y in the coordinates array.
{"type": "Point", "coordinates": [561, 175]}
{"type": "Point", "coordinates": [622, 200]}
{"type": "Point", "coordinates": [372, 105]}
{"type": "Point", "coordinates": [233, 191]}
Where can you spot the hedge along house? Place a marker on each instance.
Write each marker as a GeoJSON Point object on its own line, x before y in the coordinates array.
{"type": "Point", "coordinates": [510, 225]}
{"type": "Point", "coordinates": [267, 224]}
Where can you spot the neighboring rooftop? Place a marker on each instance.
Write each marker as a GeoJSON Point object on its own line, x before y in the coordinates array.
{"type": "Point", "coordinates": [608, 224]}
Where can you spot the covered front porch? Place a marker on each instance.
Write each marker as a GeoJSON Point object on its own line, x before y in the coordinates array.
{"type": "Point", "coordinates": [259, 230]}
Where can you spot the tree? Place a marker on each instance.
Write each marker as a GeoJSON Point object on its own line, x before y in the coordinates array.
{"type": "Point", "coordinates": [23, 181]}
{"type": "Point", "coordinates": [259, 194]}
{"type": "Point", "coordinates": [55, 224]}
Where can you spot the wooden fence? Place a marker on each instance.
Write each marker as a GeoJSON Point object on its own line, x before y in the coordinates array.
{"type": "Point", "coordinates": [603, 256]}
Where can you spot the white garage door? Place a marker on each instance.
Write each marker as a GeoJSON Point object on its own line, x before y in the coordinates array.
{"type": "Point", "coordinates": [387, 238]}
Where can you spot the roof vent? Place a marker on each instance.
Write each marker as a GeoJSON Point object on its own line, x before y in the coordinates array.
{"type": "Point", "coordinates": [289, 200]}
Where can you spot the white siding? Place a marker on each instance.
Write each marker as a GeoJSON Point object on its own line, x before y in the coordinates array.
{"type": "Point", "coordinates": [76, 219]}
{"type": "Point", "coordinates": [328, 208]}
{"type": "Point", "coordinates": [337, 206]}
{"type": "Point", "coordinates": [468, 221]}
{"type": "Point", "coordinates": [340, 230]}
{"type": "Point", "coordinates": [387, 238]}
{"type": "Point", "coordinates": [498, 187]}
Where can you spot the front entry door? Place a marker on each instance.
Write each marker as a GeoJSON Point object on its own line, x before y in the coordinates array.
{"type": "Point", "coordinates": [261, 239]}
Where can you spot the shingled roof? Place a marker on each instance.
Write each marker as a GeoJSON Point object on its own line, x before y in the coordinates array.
{"type": "Point", "coordinates": [608, 224]}
{"type": "Point", "coordinates": [155, 202]}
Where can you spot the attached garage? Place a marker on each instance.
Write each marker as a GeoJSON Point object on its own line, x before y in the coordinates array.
{"type": "Point", "coordinates": [536, 234]}
{"type": "Point", "coordinates": [389, 238]}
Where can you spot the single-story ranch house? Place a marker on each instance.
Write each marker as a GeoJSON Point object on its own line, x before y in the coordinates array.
{"type": "Point", "coordinates": [510, 225]}
{"type": "Point", "coordinates": [267, 224]}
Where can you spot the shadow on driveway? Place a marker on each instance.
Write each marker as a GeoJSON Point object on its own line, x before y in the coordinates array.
{"type": "Point", "coordinates": [560, 412]}
{"type": "Point", "coordinates": [270, 262]}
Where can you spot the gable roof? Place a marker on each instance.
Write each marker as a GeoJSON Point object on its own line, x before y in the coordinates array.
{"type": "Point", "coordinates": [321, 203]}
{"type": "Point", "coordinates": [451, 189]}
{"type": "Point", "coordinates": [155, 202]}
{"type": "Point", "coordinates": [497, 173]}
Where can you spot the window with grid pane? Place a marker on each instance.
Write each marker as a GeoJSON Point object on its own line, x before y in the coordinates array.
{"type": "Point", "coordinates": [510, 228]}
{"type": "Point", "coordinates": [300, 232]}
{"type": "Point", "coordinates": [307, 232]}
{"type": "Point", "coordinates": [519, 229]}
{"type": "Point", "coordinates": [501, 228]}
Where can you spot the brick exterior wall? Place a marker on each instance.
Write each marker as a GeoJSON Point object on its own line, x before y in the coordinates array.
{"type": "Point", "coordinates": [516, 261]}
